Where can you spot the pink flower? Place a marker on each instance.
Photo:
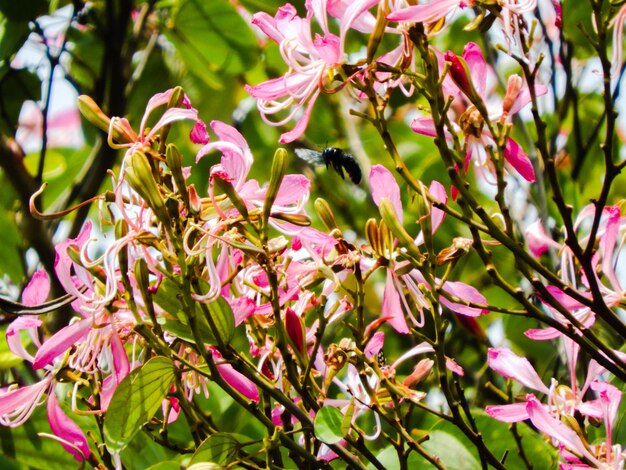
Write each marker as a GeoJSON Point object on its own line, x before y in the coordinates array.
{"type": "Point", "coordinates": [395, 306]}
{"type": "Point", "coordinates": [197, 135]}
{"type": "Point", "coordinates": [561, 401]}
{"type": "Point", "coordinates": [428, 13]}
{"type": "Point", "coordinates": [17, 404]}
{"type": "Point", "coordinates": [604, 260]}
{"type": "Point", "coordinates": [468, 78]}
{"type": "Point", "coordinates": [312, 61]}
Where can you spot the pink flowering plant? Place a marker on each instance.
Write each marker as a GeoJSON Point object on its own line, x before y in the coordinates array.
{"type": "Point", "coordinates": [212, 300]}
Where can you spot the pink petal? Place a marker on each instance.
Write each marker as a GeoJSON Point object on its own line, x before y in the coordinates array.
{"type": "Point", "coordinates": [391, 306]}
{"type": "Point", "coordinates": [329, 48]}
{"type": "Point", "coordinates": [512, 366]}
{"type": "Point", "coordinates": [437, 191]}
{"type": "Point", "coordinates": [607, 245]}
{"type": "Point", "coordinates": [292, 190]}
{"type": "Point", "coordinates": [30, 324]}
{"type": "Point", "coordinates": [199, 134]}
{"type": "Point", "coordinates": [61, 341]}
{"type": "Point", "coordinates": [23, 398]}
{"type": "Point", "coordinates": [610, 397]}
{"type": "Point", "coordinates": [121, 364]}
{"type": "Point", "coordinates": [66, 429]}
{"type": "Point", "coordinates": [452, 366]}
{"type": "Point", "coordinates": [464, 292]}
{"type": "Point", "coordinates": [554, 428]}
{"type": "Point", "coordinates": [239, 382]}
{"type": "Point", "coordinates": [476, 65]}
{"type": "Point", "coordinates": [384, 185]}
{"type": "Point", "coordinates": [358, 19]}
{"type": "Point", "coordinates": [63, 264]}
{"type": "Point", "coordinates": [508, 413]}
{"type": "Point", "coordinates": [524, 97]}
{"type": "Point", "coordinates": [374, 345]}
{"type": "Point", "coordinates": [425, 126]}
{"type": "Point", "coordinates": [37, 290]}
{"type": "Point", "coordinates": [542, 334]}
{"type": "Point", "coordinates": [170, 116]}
{"type": "Point", "coordinates": [278, 87]}
{"type": "Point", "coordinates": [591, 408]}
{"type": "Point", "coordinates": [302, 124]}
{"type": "Point", "coordinates": [516, 157]}
{"type": "Point", "coordinates": [564, 299]}
{"type": "Point", "coordinates": [428, 13]}
{"type": "Point", "coordinates": [537, 239]}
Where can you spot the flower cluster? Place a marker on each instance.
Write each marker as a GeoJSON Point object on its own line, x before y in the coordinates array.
{"type": "Point", "coordinates": [220, 281]}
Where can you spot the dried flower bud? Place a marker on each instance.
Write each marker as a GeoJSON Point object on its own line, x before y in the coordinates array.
{"type": "Point", "coordinates": [459, 248]}
{"type": "Point", "coordinates": [195, 202]}
{"type": "Point", "coordinates": [420, 372]}
{"type": "Point", "coordinates": [513, 89]}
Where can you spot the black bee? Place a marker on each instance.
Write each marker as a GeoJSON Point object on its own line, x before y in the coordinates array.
{"type": "Point", "coordinates": [336, 157]}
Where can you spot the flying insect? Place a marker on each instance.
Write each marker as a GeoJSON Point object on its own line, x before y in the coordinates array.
{"type": "Point", "coordinates": [335, 157]}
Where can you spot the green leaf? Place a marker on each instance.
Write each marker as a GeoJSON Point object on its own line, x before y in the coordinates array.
{"type": "Point", "coordinates": [22, 448]}
{"type": "Point", "coordinates": [11, 241]}
{"type": "Point", "coordinates": [12, 36]}
{"type": "Point", "coordinates": [16, 86]}
{"type": "Point", "coordinates": [8, 360]}
{"type": "Point", "coordinates": [167, 297]}
{"type": "Point", "coordinates": [223, 317]}
{"type": "Point", "coordinates": [136, 400]}
{"type": "Point", "coordinates": [219, 448]}
{"type": "Point", "coordinates": [327, 425]}
{"type": "Point", "coordinates": [54, 164]}
{"type": "Point", "coordinates": [213, 40]}
{"type": "Point", "coordinates": [167, 465]}
{"type": "Point", "coordinates": [498, 437]}
{"type": "Point", "coordinates": [23, 11]}
{"type": "Point", "coordinates": [452, 452]}
{"type": "Point", "coordinates": [143, 452]}
{"type": "Point", "coordinates": [346, 422]}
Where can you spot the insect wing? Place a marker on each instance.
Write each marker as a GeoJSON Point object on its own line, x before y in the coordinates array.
{"type": "Point", "coordinates": [312, 157]}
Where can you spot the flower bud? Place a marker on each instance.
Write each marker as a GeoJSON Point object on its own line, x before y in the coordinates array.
{"type": "Point", "coordinates": [391, 220]}
{"type": "Point", "coordinates": [297, 219]}
{"type": "Point", "coordinates": [295, 331]}
{"type": "Point", "coordinates": [378, 33]}
{"type": "Point", "coordinates": [120, 129]}
{"type": "Point", "coordinates": [379, 238]}
{"type": "Point", "coordinates": [279, 167]}
{"type": "Point", "coordinates": [325, 213]}
{"type": "Point", "coordinates": [459, 73]}
{"type": "Point", "coordinates": [121, 229]}
{"type": "Point", "coordinates": [140, 178]}
{"type": "Point", "coordinates": [174, 161]}
{"type": "Point", "coordinates": [228, 189]}
{"type": "Point", "coordinates": [92, 112]}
